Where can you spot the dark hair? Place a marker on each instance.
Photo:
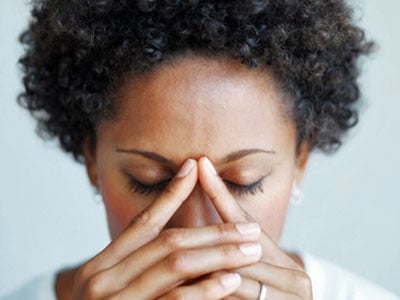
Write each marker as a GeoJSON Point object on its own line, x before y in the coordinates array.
{"type": "Point", "coordinates": [78, 51]}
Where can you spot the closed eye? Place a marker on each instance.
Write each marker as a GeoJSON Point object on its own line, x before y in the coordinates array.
{"type": "Point", "coordinates": [147, 189]}
{"type": "Point", "coordinates": [241, 189]}
{"type": "Point", "coordinates": [248, 189]}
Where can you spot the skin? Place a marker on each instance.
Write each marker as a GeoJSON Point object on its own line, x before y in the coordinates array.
{"type": "Point", "coordinates": [233, 126]}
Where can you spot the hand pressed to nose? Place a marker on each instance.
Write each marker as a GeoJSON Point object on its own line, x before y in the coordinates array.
{"type": "Point", "coordinates": [147, 261]}
{"type": "Point", "coordinates": [285, 279]}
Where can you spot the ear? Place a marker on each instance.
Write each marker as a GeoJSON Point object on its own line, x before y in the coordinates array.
{"type": "Point", "coordinates": [89, 155]}
{"type": "Point", "coordinates": [301, 161]}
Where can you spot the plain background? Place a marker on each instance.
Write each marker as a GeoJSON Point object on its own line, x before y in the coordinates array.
{"type": "Point", "coordinates": [351, 216]}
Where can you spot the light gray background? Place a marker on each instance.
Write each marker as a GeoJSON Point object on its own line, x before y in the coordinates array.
{"type": "Point", "coordinates": [48, 217]}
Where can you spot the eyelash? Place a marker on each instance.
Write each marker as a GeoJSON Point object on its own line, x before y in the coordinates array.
{"type": "Point", "coordinates": [242, 190]}
{"type": "Point", "coordinates": [245, 190]}
{"type": "Point", "coordinates": [146, 189]}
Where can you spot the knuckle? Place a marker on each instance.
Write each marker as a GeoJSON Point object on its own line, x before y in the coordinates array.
{"type": "Point", "coordinates": [178, 294]}
{"type": "Point", "coordinates": [94, 286]}
{"type": "Point", "coordinates": [83, 273]}
{"type": "Point", "coordinates": [230, 253]}
{"type": "Point", "coordinates": [172, 238]}
{"type": "Point", "coordinates": [141, 218]}
{"type": "Point", "coordinates": [177, 263]}
{"type": "Point", "coordinates": [145, 218]}
{"type": "Point", "coordinates": [302, 282]}
{"type": "Point", "coordinates": [225, 230]}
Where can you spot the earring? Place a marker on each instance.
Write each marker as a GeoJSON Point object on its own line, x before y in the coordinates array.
{"type": "Point", "coordinates": [97, 196]}
{"type": "Point", "coordinates": [297, 197]}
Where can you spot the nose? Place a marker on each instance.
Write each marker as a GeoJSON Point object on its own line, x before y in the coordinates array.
{"type": "Point", "coordinates": [198, 210]}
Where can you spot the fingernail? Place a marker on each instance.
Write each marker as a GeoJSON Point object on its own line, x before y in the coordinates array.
{"type": "Point", "coordinates": [185, 169]}
{"type": "Point", "coordinates": [209, 166]}
{"type": "Point", "coordinates": [248, 228]}
{"type": "Point", "coordinates": [250, 249]}
{"type": "Point", "coordinates": [230, 280]}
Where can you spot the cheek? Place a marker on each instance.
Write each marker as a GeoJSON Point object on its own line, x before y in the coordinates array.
{"type": "Point", "coordinates": [120, 209]}
{"type": "Point", "coordinates": [269, 210]}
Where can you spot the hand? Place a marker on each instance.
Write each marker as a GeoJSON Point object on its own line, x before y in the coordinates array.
{"type": "Point", "coordinates": [147, 262]}
{"type": "Point", "coordinates": [284, 278]}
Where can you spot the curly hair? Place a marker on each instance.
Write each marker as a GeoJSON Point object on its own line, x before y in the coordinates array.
{"type": "Point", "coordinates": [78, 51]}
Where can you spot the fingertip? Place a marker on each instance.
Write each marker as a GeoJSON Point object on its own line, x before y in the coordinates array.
{"type": "Point", "coordinates": [231, 281]}
{"type": "Point", "coordinates": [207, 165]}
{"type": "Point", "coordinates": [186, 168]}
{"type": "Point", "coordinates": [208, 177]}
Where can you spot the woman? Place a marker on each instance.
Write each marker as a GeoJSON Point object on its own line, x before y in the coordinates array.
{"type": "Point", "coordinates": [195, 120]}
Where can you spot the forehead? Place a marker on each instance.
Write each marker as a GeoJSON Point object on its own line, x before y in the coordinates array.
{"type": "Point", "coordinates": [197, 106]}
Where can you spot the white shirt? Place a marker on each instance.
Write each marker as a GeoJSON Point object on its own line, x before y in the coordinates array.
{"type": "Point", "coordinates": [329, 281]}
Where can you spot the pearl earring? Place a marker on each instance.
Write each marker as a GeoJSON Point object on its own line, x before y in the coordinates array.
{"type": "Point", "coordinates": [297, 197]}
{"type": "Point", "coordinates": [97, 196]}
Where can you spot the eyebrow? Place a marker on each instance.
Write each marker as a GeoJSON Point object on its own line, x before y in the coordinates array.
{"type": "Point", "coordinates": [147, 154]}
{"type": "Point", "coordinates": [234, 156]}
{"type": "Point", "coordinates": [242, 153]}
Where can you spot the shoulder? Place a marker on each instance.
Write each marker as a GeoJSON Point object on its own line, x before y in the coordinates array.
{"type": "Point", "coordinates": [41, 287]}
{"type": "Point", "coordinates": [333, 282]}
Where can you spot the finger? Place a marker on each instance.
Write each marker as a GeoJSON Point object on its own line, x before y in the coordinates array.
{"type": "Point", "coordinates": [285, 280]}
{"type": "Point", "coordinates": [147, 224]}
{"type": "Point", "coordinates": [230, 211]}
{"type": "Point", "coordinates": [169, 241]}
{"type": "Point", "coordinates": [212, 288]}
{"type": "Point", "coordinates": [188, 264]}
{"type": "Point", "coordinates": [250, 289]}
{"type": "Point", "coordinates": [217, 191]}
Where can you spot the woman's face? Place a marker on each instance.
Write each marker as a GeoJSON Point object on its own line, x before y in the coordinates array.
{"type": "Point", "coordinates": [191, 108]}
